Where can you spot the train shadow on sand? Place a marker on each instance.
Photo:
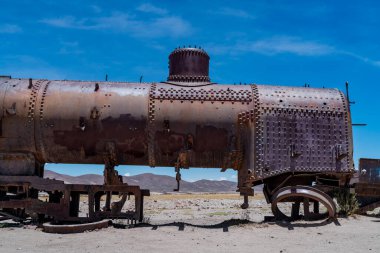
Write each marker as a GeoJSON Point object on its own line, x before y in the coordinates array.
{"type": "Point", "coordinates": [10, 225]}
{"type": "Point", "coordinates": [225, 225]}
{"type": "Point", "coordinates": [181, 225]}
{"type": "Point", "coordinates": [306, 224]}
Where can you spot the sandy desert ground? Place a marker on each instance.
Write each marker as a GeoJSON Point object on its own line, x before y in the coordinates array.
{"type": "Point", "coordinates": [204, 223]}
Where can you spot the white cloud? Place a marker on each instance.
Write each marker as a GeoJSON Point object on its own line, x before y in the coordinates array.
{"type": "Point", "coordinates": [286, 44]}
{"type": "Point", "coordinates": [276, 45]}
{"type": "Point", "coordinates": [64, 22]}
{"type": "Point", "coordinates": [226, 11]}
{"type": "Point", "coordinates": [10, 28]}
{"type": "Point", "coordinates": [171, 26]}
{"type": "Point", "coordinates": [149, 8]}
{"type": "Point", "coordinates": [375, 63]}
{"type": "Point", "coordinates": [222, 178]}
{"type": "Point", "coordinates": [127, 174]}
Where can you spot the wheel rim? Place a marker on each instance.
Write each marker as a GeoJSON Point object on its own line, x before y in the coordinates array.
{"type": "Point", "coordinates": [306, 193]}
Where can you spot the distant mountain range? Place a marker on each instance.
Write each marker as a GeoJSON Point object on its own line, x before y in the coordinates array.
{"type": "Point", "coordinates": [153, 182]}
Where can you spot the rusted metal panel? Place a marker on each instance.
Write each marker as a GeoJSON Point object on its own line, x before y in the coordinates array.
{"type": "Point", "coordinates": [209, 93]}
{"type": "Point", "coordinates": [79, 130]}
{"type": "Point", "coordinates": [17, 128]}
{"type": "Point", "coordinates": [367, 184]}
{"type": "Point", "coordinates": [279, 129]}
{"type": "Point", "coordinates": [369, 170]}
{"type": "Point", "coordinates": [17, 164]}
{"type": "Point", "coordinates": [201, 121]}
{"type": "Point", "coordinates": [189, 66]}
{"type": "Point", "coordinates": [301, 130]}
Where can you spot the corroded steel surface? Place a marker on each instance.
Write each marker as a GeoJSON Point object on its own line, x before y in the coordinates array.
{"type": "Point", "coordinates": [369, 171]}
{"type": "Point", "coordinates": [188, 65]}
{"type": "Point", "coordinates": [301, 130]}
{"type": "Point", "coordinates": [74, 228]}
{"type": "Point", "coordinates": [279, 129]}
{"type": "Point", "coordinates": [303, 194]}
{"type": "Point", "coordinates": [63, 204]}
{"type": "Point", "coordinates": [268, 134]}
{"type": "Point", "coordinates": [367, 184]}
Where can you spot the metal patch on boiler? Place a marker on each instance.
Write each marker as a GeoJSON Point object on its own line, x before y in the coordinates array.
{"type": "Point", "coordinates": [301, 130]}
{"type": "Point", "coordinates": [203, 94]}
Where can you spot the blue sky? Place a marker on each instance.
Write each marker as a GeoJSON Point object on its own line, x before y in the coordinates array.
{"type": "Point", "coordinates": [322, 43]}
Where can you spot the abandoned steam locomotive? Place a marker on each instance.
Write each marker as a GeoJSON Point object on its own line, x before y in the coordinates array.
{"type": "Point", "coordinates": [297, 141]}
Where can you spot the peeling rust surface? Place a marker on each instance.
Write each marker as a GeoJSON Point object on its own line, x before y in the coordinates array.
{"type": "Point", "coordinates": [269, 130]}
{"type": "Point", "coordinates": [75, 228]}
{"type": "Point", "coordinates": [369, 171]}
{"type": "Point", "coordinates": [301, 129]}
{"type": "Point", "coordinates": [272, 135]}
{"type": "Point", "coordinates": [127, 132]}
{"type": "Point", "coordinates": [210, 138]}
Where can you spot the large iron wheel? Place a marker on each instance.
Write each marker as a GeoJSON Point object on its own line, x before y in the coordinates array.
{"type": "Point", "coordinates": [306, 195]}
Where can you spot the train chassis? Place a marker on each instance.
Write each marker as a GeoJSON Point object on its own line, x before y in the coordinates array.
{"type": "Point", "coordinates": [19, 197]}
{"type": "Point", "coordinates": [312, 188]}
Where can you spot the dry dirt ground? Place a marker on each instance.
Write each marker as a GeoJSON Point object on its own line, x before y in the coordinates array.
{"type": "Point", "coordinates": [203, 223]}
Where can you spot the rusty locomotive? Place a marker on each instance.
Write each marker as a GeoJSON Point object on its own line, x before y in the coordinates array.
{"type": "Point", "coordinates": [297, 141]}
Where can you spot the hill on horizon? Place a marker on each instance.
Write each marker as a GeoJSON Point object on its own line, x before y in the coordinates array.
{"type": "Point", "coordinates": [153, 182]}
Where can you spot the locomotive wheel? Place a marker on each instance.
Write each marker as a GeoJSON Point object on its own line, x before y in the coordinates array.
{"type": "Point", "coordinates": [305, 194]}
{"type": "Point", "coordinates": [74, 228]}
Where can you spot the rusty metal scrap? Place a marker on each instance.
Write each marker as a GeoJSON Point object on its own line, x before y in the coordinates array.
{"type": "Point", "coordinates": [367, 184]}
{"type": "Point", "coordinates": [266, 133]}
{"type": "Point", "coordinates": [305, 195]}
{"type": "Point", "coordinates": [367, 180]}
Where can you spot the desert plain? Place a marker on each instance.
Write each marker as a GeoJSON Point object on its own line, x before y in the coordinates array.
{"type": "Point", "coordinates": [203, 223]}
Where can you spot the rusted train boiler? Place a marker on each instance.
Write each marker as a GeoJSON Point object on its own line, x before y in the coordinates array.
{"type": "Point", "coordinates": [297, 141]}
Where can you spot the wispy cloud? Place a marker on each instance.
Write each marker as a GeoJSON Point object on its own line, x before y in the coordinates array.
{"type": "Point", "coordinates": [232, 12]}
{"type": "Point", "coordinates": [363, 59]}
{"type": "Point", "coordinates": [163, 26]}
{"type": "Point", "coordinates": [64, 22]}
{"type": "Point", "coordinates": [150, 8]}
{"type": "Point", "coordinates": [10, 28]}
{"type": "Point", "coordinates": [276, 45]}
{"type": "Point", "coordinates": [286, 44]}
{"type": "Point", "coordinates": [127, 174]}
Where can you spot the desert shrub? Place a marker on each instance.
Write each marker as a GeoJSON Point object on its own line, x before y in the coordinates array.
{"type": "Point", "coordinates": [347, 202]}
